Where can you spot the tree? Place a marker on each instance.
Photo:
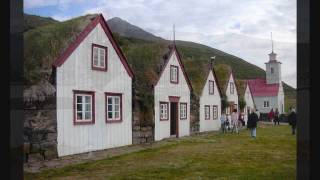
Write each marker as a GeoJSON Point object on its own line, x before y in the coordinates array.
{"type": "Point", "coordinates": [224, 103]}
{"type": "Point", "coordinates": [242, 103]}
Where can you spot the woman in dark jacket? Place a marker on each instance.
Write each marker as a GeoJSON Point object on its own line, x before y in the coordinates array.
{"type": "Point", "coordinates": [293, 121]}
{"type": "Point", "coordinates": [252, 123]}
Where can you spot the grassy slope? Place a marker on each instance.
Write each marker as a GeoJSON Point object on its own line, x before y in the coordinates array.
{"type": "Point", "coordinates": [271, 156]}
{"type": "Point", "coordinates": [33, 21]}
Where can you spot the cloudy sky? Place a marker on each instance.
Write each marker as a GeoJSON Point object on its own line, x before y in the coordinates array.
{"type": "Point", "coordinates": [238, 27]}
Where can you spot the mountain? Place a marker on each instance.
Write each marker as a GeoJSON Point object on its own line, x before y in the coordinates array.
{"type": "Point", "coordinates": [33, 21]}
{"type": "Point", "coordinates": [125, 29]}
{"type": "Point", "coordinates": [44, 43]}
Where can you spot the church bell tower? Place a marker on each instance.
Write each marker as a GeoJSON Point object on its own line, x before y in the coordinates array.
{"type": "Point", "coordinates": [273, 68]}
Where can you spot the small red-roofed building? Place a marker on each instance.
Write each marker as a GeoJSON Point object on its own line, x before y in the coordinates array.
{"type": "Point", "coordinates": [268, 93]}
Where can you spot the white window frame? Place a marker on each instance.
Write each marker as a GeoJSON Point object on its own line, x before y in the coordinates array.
{"type": "Point", "coordinates": [231, 88]}
{"type": "Point", "coordinates": [215, 111]}
{"type": "Point", "coordinates": [164, 107]}
{"type": "Point", "coordinates": [113, 105]}
{"type": "Point", "coordinates": [99, 62]}
{"type": "Point", "coordinates": [183, 110]}
{"type": "Point", "coordinates": [83, 110]}
{"type": "Point", "coordinates": [174, 74]}
{"type": "Point", "coordinates": [207, 112]}
{"type": "Point", "coordinates": [211, 87]}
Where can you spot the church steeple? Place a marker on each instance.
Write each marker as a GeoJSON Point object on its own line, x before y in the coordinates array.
{"type": "Point", "coordinates": [272, 55]}
{"type": "Point", "coordinates": [273, 67]}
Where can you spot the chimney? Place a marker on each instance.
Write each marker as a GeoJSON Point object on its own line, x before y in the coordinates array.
{"type": "Point", "coordinates": [211, 61]}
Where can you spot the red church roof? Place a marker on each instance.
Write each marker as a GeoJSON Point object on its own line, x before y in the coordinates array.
{"type": "Point", "coordinates": [259, 87]}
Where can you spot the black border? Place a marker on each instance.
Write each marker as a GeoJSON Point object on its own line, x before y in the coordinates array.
{"type": "Point", "coordinates": [15, 121]}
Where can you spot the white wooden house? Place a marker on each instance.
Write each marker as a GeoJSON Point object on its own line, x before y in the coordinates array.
{"type": "Point", "coordinates": [249, 102]}
{"type": "Point", "coordinates": [210, 103]}
{"type": "Point", "coordinates": [94, 93]}
{"type": "Point", "coordinates": [172, 99]}
{"type": "Point", "coordinates": [232, 96]}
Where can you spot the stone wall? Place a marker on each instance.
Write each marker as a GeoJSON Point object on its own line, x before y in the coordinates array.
{"type": "Point", "coordinates": [40, 131]}
{"type": "Point", "coordinates": [141, 133]}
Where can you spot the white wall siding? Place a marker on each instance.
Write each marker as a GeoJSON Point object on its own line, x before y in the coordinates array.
{"type": "Point", "coordinates": [207, 99]}
{"type": "Point", "coordinates": [162, 91]}
{"type": "Point", "coordinates": [232, 97]}
{"type": "Point", "coordinates": [281, 103]}
{"type": "Point", "coordinates": [273, 103]}
{"type": "Point", "coordinates": [76, 74]}
{"type": "Point", "coordinates": [249, 103]}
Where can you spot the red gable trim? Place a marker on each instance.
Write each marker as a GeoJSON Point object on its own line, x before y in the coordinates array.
{"type": "Point", "coordinates": [174, 98]}
{"type": "Point", "coordinates": [98, 19]}
{"type": "Point", "coordinates": [215, 79]}
{"type": "Point", "coordinates": [181, 65]}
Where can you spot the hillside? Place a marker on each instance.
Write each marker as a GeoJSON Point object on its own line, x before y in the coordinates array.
{"type": "Point", "coordinates": [33, 21]}
{"type": "Point", "coordinates": [125, 29]}
{"type": "Point", "coordinates": [44, 43]}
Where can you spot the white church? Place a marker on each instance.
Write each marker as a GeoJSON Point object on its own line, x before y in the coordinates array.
{"type": "Point", "coordinates": [268, 93]}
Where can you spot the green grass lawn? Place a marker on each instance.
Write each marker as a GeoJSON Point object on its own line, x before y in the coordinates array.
{"type": "Point", "coordinates": [208, 156]}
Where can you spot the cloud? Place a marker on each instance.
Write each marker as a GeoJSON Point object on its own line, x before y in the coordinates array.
{"type": "Point", "coordinates": [241, 28]}
{"type": "Point", "coordinates": [62, 4]}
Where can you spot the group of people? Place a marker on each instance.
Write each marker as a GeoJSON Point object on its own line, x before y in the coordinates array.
{"type": "Point", "coordinates": [237, 120]}
{"type": "Point", "coordinates": [253, 119]}
{"type": "Point", "coordinates": [273, 116]}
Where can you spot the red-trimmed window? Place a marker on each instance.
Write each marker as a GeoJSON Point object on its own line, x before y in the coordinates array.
{"type": "Point", "coordinates": [99, 57]}
{"type": "Point", "coordinates": [211, 87]}
{"type": "Point", "coordinates": [164, 115]}
{"type": "Point", "coordinates": [215, 112]}
{"type": "Point", "coordinates": [206, 112]}
{"type": "Point", "coordinates": [83, 107]}
{"type": "Point", "coordinates": [231, 88]}
{"type": "Point", "coordinates": [113, 107]}
{"type": "Point", "coordinates": [183, 110]}
{"type": "Point", "coordinates": [174, 74]}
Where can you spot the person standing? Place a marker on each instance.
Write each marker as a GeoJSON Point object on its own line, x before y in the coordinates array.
{"type": "Point", "coordinates": [258, 114]}
{"type": "Point", "coordinates": [276, 117]}
{"type": "Point", "coordinates": [234, 121]}
{"type": "Point", "coordinates": [271, 115]}
{"type": "Point", "coordinates": [293, 121]}
{"type": "Point", "coordinates": [252, 123]}
{"type": "Point", "coordinates": [223, 122]}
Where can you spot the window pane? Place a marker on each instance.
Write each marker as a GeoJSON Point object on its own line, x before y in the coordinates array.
{"type": "Point", "coordinates": [87, 115]}
{"type": "Point", "coordinates": [79, 107]}
{"type": "Point", "coordinates": [102, 57]}
{"type": "Point", "coordinates": [116, 100]}
{"type": "Point", "coordinates": [110, 115]}
{"type": "Point", "coordinates": [117, 115]}
{"type": "Point", "coordinates": [110, 107]}
{"type": "Point", "coordinates": [79, 99]}
{"type": "Point", "coordinates": [109, 100]}
{"type": "Point", "coordinates": [116, 108]}
{"type": "Point", "coordinates": [88, 99]}
{"type": "Point", "coordinates": [88, 107]}
{"type": "Point", "coordinates": [79, 115]}
{"type": "Point", "coordinates": [95, 56]}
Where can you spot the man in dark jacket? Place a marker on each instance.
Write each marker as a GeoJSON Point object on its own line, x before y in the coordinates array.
{"type": "Point", "coordinates": [293, 121]}
{"type": "Point", "coordinates": [252, 123]}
